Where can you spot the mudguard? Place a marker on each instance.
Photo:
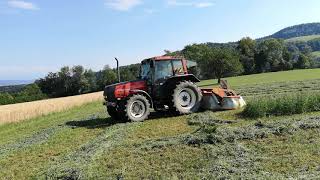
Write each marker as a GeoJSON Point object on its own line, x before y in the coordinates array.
{"type": "Point", "coordinates": [147, 95]}
{"type": "Point", "coordinates": [184, 77]}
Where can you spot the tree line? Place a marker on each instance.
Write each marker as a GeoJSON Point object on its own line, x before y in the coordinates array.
{"type": "Point", "coordinates": [69, 81]}
{"type": "Point", "coordinates": [30, 92]}
{"type": "Point", "coordinates": [304, 46]}
{"type": "Point", "coordinates": [215, 60]}
{"type": "Point", "coordinates": [247, 56]}
{"type": "Point", "coordinates": [77, 80]}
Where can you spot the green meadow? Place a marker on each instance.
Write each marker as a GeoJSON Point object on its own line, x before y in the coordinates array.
{"type": "Point", "coordinates": [84, 143]}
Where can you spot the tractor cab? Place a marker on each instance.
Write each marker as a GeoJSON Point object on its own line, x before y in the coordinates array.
{"type": "Point", "coordinates": [159, 69]}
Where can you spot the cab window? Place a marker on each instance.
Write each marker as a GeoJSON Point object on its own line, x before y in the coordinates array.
{"type": "Point", "coordinates": [163, 69]}
{"type": "Point", "coordinates": [145, 71]}
{"type": "Point", "coordinates": [177, 67]}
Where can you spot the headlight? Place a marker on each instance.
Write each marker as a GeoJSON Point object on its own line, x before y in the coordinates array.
{"type": "Point", "coordinates": [106, 98]}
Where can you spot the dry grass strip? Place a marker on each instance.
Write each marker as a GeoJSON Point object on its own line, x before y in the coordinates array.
{"type": "Point", "coordinates": [23, 111]}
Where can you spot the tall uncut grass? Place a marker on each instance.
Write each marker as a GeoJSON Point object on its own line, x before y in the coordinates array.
{"type": "Point", "coordinates": [282, 105]}
{"type": "Point", "coordinates": [22, 111]}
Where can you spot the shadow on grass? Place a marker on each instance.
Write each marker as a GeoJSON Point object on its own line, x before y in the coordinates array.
{"type": "Point", "coordinates": [164, 114]}
{"type": "Point", "coordinates": [93, 123]}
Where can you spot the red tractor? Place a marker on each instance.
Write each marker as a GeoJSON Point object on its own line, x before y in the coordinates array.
{"type": "Point", "coordinates": [164, 85]}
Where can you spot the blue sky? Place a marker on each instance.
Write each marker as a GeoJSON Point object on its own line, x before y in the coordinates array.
{"type": "Point", "coordinates": [38, 36]}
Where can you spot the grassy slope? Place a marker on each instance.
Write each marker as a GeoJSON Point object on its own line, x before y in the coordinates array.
{"type": "Point", "coordinates": [303, 38]}
{"type": "Point", "coordinates": [316, 53]}
{"type": "Point", "coordinates": [84, 142]}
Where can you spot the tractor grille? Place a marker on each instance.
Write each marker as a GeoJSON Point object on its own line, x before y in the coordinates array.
{"type": "Point", "coordinates": [109, 92]}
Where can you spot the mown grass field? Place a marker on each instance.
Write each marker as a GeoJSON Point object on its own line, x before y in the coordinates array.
{"type": "Point", "coordinates": [84, 143]}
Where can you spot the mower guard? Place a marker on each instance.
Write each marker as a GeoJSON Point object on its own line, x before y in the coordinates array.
{"type": "Point", "coordinates": [221, 99]}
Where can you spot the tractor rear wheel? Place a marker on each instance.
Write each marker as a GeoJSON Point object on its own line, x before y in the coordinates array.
{"type": "Point", "coordinates": [186, 98]}
{"type": "Point", "coordinates": [137, 108]}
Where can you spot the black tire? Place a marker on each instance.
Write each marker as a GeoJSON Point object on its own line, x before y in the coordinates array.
{"type": "Point", "coordinates": [186, 98]}
{"type": "Point", "coordinates": [137, 108]}
{"type": "Point", "coordinates": [112, 112]}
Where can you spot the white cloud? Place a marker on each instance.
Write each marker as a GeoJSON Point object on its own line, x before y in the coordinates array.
{"type": "Point", "coordinates": [122, 5]}
{"type": "Point", "coordinates": [150, 11]}
{"type": "Point", "coordinates": [193, 3]}
{"type": "Point", "coordinates": [22, 5]}
{"type": "Point", "coordinates": [178, 3]}
{"type": "Point", "coordinates": [204, 4]}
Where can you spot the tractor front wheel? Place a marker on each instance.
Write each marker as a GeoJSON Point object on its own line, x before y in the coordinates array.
{"type": "Point", "coordinates": [112, 112]}
{"type": "Point", "coordinates": [186, 98]}
{"type": "Point", "coordinates": [137, 108]}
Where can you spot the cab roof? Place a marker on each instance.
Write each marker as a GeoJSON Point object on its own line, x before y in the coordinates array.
{"type": "Point", "coordinates": [161, 58]}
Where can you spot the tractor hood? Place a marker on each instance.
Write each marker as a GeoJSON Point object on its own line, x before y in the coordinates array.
{"type": "Point", "coordinates": [123, 89]}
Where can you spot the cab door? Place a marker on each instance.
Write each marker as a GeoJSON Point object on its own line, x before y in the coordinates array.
{"type": "Point", "coordinates": [146, 74]}
{"type": "Point", "coordinates": [163, 70]}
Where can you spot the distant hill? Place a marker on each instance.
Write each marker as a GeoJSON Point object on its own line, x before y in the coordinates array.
{"type": "Point", "coordinates": [12, 88]}
{"type": "Point", "coordinates": [302, 36]}
{"type": "Point", "coordinates": [14, 82]}
{"type": "Point", "coordinates": [297, 31]}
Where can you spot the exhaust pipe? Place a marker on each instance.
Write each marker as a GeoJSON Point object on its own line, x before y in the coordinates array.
{"type": "Point", "coordinates": [118, 70]}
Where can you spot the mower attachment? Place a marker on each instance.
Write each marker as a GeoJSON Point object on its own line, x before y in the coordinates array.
{"type": "Point", "coordinates": [221, 99]}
